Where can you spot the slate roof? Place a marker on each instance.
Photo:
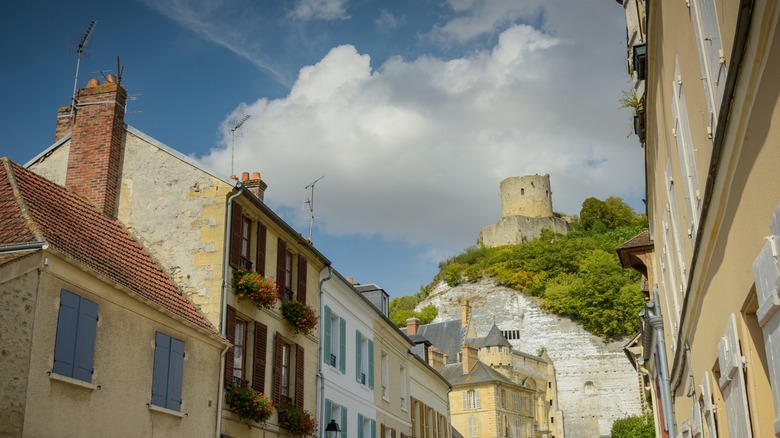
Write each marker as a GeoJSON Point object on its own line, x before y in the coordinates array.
{"type": "Point", "coordinates": [479, 373]}
{"type": "Point", "coordinates": [445, 336]}
{"type": "Point", "coordinates": [494, 338]}
{"type": "Point", "coordinates": [36, 209]}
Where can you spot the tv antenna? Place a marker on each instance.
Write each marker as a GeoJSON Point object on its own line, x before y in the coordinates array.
{"type": "Point", "coordinates": [236, 127]}
{"type": "Point", "coordinates": [82, 43]}
{"type": "Point", "coordinates": [310, 201]}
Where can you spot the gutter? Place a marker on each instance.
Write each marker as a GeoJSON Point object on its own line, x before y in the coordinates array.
{"type": "Point", "coordinates": [666, 400]}
{"type": "Point", "coordinates": [221, 390]}
{"type": "Point", "coordinates": [737, 55]}
{"type": "Point", "coordinates": [320, 376]}
{"type": "Point", "coordinates": [20, 247]}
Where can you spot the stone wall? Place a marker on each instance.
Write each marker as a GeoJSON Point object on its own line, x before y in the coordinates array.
{"type": "Point", "coordinates": [529, 196]}
{"type": "Point", "coordinates": [18, 295]}
{"type": "Point", "coordinates": [519, 229]}
{"type": "Point", "coordinates": [596, 383]}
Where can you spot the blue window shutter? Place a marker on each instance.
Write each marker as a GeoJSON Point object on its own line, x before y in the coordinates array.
{"type": "Point", "coordinates": [358, 350]}
{"type": "Point", "coordinates": [85, 340]}
{"type": "Point", "coordinates": [344, 421]}
{"type": "Point", "coordinates": [328, 412]}
{"type": "Point", "coordinates": [360, 426]}
{"type": "Point", "coordinates": [373, 429]}
{"type": "Point", "coordinates": [342, 345]}
{"type": "Point", "coordinates": [175, 375]}
{"type": "Point", "coordinates": [327, 323]}
{"type": "Point", "coordinates": [370, 364]}
{"type": "Point", "coordinates": [65, 344]}
{"type": "Point", "coordinates": [162, 348]}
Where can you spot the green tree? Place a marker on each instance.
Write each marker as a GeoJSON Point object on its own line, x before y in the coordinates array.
{"type": "Point", "coordinates": [633, 427]}
{"type": "Point", "coordinates": [611, 213]}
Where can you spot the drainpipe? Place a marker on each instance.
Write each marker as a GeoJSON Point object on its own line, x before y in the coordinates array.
{"type": "Point", "coordinates": [320, 377]}
{"type": "Point", "coordinates": [666, 400]}
{"type": "Point", "coordinates": [223, 328]}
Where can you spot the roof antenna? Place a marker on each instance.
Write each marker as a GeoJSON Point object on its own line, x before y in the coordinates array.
{"type": "Point", "coordinates": [82, 43]}
{"type": "Point", "coordinates": [233, 130]}
{"type": "Point", "coordinates": [310, 201]}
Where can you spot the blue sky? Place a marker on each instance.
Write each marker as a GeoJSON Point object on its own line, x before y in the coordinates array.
{"type": "Point", "coordinates": [413, 110]}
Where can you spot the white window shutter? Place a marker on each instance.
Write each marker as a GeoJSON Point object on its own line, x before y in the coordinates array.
{"type": "Point", "coordinates": [696, 426]}
{"type": "Point", "coordinates": [707, 407]}
{"type": "Point", "coordinates": [767, 277]}
{"type": "Point", "coordinates": [732, 381]}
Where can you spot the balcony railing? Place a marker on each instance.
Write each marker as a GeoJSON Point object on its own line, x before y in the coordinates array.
{"type": "Point", "coordinates": [333, 360]}
{"type": "Point", "coordinates": [245, 263]}
{"type": "Point", "coordinates": [363, 378]}
{"type": "Point", "coordinates": [384, 391]}
{"type": "Point", "coordinates": [403, 403]}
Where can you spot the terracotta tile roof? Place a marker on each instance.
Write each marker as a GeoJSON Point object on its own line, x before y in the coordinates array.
{"type": "Point", "coordinates": [640, 240]}
{"type": "Point", "coordinates": [36, 209]}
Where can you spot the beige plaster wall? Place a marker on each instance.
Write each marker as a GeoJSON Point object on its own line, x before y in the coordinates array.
{"type": "Point", "coordinates": [54, 166]}
{"type": "Point", "coordinates": [123, 362]}
{"type": "Point", "coordinates": [18, 299]}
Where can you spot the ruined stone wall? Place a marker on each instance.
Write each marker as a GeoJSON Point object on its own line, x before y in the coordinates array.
{"type": "Point", "coordinates": [596, 383]}
{"type": "Point", "coordinates": [519, 229]}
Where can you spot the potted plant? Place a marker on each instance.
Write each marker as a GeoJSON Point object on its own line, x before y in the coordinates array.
{"type": "Point", "coordinates": [298, 421]}
{"type": "Point", "coordinates": [252, 286]}
{"type": "Point", "coordinates": [248, 404]}
{"type": "Point", "coordinates": [302, 317]}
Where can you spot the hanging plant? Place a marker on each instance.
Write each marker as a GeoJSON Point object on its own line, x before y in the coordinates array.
{"type": "Point", "coordinates": [302, 317]}
{"type": "Point", "coordinates": [249, 404]}
{"type": "Point", "coordinates": [298, 421]}
{"type": "Point", "coordinates": [252, 286]}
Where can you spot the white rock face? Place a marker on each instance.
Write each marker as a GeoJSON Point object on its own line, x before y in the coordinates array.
{"type": "Point", "coordinates": [596, 383]}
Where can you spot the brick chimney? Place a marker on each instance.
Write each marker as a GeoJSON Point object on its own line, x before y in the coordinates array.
{"type": "Point", "coordinates": [412, 325]}
{"type": "Point", "coordinates": [436, 359]}
{"type": "Point", "coordinates": [97, 127]}
{"type": "Point", "coordinates": [469, 356]}
{"type": "Point", "coordinates": [255, 184]}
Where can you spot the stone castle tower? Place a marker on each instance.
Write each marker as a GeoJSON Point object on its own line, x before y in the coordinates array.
{"type": "Point", "coordinates": [526, 209]}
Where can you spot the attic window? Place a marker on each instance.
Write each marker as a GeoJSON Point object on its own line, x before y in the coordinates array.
{"type": "Point", "coordinates": [640, 61]}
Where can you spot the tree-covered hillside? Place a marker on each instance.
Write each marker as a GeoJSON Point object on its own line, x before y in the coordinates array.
{"type": "Point", "coordinates": [576, 275]}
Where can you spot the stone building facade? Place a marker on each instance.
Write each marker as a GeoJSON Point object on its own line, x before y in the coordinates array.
{"type": "Point", "coordinates": [526, 209]}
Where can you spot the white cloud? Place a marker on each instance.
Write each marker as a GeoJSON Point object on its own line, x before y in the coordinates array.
{"type": "Point", "coordinates": [387, 20]}
{"type": "Point", "coordinates": [306, 10]}
{"type": "Point", "coordinates": [414, 149]}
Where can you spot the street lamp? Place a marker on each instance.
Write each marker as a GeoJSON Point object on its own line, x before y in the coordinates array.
{"type": "Point", "coordinates": [332, 431]}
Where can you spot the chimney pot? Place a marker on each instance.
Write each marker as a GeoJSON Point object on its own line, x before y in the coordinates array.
{"type": "Point", "coordinates": [256, 175]}
{"type": "Point", "coordinates": [234, 178]}
{"type": "Point", "coordinates": [245, 176]}
{"type": "Point", "coordinates": [94, 82]}
{"type": "Point", "coordinates": [111, 78]}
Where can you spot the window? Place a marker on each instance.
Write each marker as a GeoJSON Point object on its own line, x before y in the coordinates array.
{"type": "Point", "coordinates": [74, 347]}
{"type": "Point", "coordinates": [339, 413]}
{"type": "Point", "coordinates": [711, 56]}
{"type": "Point", "coordinates": [246, 225]}
{"type": "Point", "coordinates": [288, 372]}
{"type": "Point", "coordinates": [364, 362]}
{"type": "Point", "coordinates": [708, 407]}
{"type": "Point", "coordinates": [385, 389]}
{"type": "Point", "coordinates": [516, 400]}
{"type": "Point", "coordinates": [168, 372]}
{"type": "Point", "coordinates": [473, 427]}
{"type": "Point", "coordinates": [471, 399]}
{"type": "Point", "coordinates": [284, 273]}
{"type": "Point", "coordinates": [366, 427]}
{"type": "Point", "coordinates": [504, 426]}
{"type": "Point", "coordinates": [732, 381]}
{"type": "Point", "coordinates": [239, 346]}
{"type": "Point", "coordinates": [335, 340]}
{"type": "Point", "coordinates": [682, 133]}
{"type": "Point", "coordinates": [502, 394]}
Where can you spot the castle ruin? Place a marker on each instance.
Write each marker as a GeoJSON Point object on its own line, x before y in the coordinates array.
{"type": "Point", "coordinates": [526, 209]}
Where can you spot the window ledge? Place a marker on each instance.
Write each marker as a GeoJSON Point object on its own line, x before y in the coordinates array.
{"type": "Point", "coordinates": [72, 381]}
{"type": "Point", "coordinates": [166, 411]}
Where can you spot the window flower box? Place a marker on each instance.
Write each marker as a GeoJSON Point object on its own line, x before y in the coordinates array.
{"type": "Point", "coordinates": [249, 285]}
{"type": "Point", "coordinates": [248, 404]}
{"type": "Point", "coordinates": [302, 317]}
{"type": "Point", "coordinates": [298, 421]}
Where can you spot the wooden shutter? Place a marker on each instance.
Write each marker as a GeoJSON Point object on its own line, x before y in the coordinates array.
{"type": "Point", "coordinates": [358, 355]}
{"type": "Point", "coordinates": [373, 429]}
{"type": "Point", "coordinates": [465, 400]}
{"type": "Point", "coordinates": [74, 347]}
{"type": "Point", "coordinates": [262, 234]}
{"type": "Point", "coordinates": [175, 375]}
{"type": "Point", "coordinates": [258, 373]}
{"type": "Point", "coordinates": [281, 263]}
{"type": "Point", "coordinates": [767, 277]}
{"type": "Point", "coordinates": [299, 381]}
{"type": "Point", "coordinates": [732, 381]}
{"type": "Point", "coordinates": [236, 218]}
{"type": "Point", "coordinates": [360, 426]}
{"type": "Point", "coordinates": [327, 335]}
{"type": "Point", "coordinates": [302, 279]}
{"type": "Point", "coordinates": [382, 430]}
{"type": "Point", "coordinates": [162, 346]}
{"type": "Point", "coordinates": [342, 345]}
{"type": "Point", "coordinates": [707, 407]}
{"type": "Point", "coordinates": [278, 369]}
{"type": "Point", "coordinates": [370, 364]}
{"type": "Point", "coordinates": [327, 413]}
{"type": "Point", "coordinates": [230, 333]}
{"type": "Point", "coordinates": [477, 403]}
{"type": "Point", "coordinates": [696, 429]}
